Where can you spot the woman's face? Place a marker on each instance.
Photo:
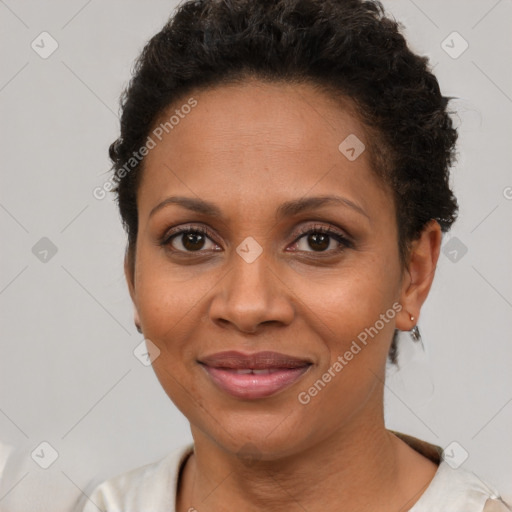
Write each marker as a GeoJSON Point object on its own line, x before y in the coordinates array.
{"type": "Point", "coordinates": [255, 281]}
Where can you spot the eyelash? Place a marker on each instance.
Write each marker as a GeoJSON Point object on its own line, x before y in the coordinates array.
{"type": "Point", "coordinates": [344, 242]}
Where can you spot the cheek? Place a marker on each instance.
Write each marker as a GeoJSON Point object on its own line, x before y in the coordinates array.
{"type": "Point", "coordinates": [354, 316]}
{"type": "Point", "coordinates": [168, 302]}
{"type": "Point", "coordinates": [167, 295]}
{"type": "Point", "coordinates": [352, 297]}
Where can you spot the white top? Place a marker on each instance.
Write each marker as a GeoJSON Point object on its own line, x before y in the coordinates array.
{"type": "Point", "coordinates": [153, 487]}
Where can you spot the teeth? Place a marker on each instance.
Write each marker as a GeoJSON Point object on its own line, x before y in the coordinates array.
{"type": "Point", "coordinates": [261, 372]}
{"type": "Point", "coordinates": [244, 371]}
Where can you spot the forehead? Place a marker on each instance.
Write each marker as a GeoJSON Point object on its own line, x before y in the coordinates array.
{"type": "Point", "coordinates": [258, 141]}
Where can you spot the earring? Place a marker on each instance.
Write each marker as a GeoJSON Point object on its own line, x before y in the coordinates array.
{"type": "Point", "coordinates": [415, 332]}
{"type": "Point", "coordinates": [413, 380]}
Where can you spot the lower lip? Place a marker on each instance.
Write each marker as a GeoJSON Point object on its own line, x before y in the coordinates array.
{"type": "Point", "coordinates": [253, 386]}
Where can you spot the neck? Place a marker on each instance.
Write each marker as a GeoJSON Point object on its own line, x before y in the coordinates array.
{"type": "Point", "coordinates": [334, 474]}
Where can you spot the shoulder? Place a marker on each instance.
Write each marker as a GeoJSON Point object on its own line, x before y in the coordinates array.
{"type": "Point", "coordinates": [459, 490]}
{"type": "Point", "coordinates": [453, 489]}
{"type": "Point", "coordinates": [148, 488]}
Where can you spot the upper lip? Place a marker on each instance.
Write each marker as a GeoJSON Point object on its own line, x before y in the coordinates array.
{"type": "Point", "coordinates": [258, 360]}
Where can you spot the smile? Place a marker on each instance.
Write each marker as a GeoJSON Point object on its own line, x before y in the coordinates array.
{"type": "Point", "coordinates": [253, 376]}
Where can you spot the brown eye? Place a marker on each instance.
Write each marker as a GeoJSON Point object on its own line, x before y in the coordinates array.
{"type": "Point", "coordinates": [192, 241]}
{"type": "Point", "coordinates": [321, 239]}
{"type": "Point", "coordinates": [189, 240]}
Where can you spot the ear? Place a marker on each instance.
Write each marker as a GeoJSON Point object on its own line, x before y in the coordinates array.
{"type": "Point", "coordinates": [129, 273]}
{"type": "Point", "coordinates": [419, 275]}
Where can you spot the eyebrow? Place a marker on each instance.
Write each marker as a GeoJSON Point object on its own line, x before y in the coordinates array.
{"type": "Point", "coordinates": [310, 203]}
{"type": "Point", "coordinates": [286, 209]}
{"type": "Point", "coordinates": [190, 203]}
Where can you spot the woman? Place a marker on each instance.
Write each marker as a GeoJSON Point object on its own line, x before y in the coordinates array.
{"type": "Point", "coordinates": [282, 174]}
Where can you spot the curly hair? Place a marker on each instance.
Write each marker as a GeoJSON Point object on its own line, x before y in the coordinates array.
{"type": "Point", "coordinates": [349, 48]}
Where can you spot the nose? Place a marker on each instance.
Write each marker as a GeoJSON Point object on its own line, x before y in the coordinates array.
{"type": "Point", "coordinates": [251, 295]}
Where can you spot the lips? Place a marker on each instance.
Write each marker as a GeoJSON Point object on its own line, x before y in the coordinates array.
{"type": "Point", "coordinates": [251, 376]}
{"type": "Point", "coordinates": [258, 361]}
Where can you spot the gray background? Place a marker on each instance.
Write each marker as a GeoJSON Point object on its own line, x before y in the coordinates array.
{"type": "Point", "coordinates": [68, 375]}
